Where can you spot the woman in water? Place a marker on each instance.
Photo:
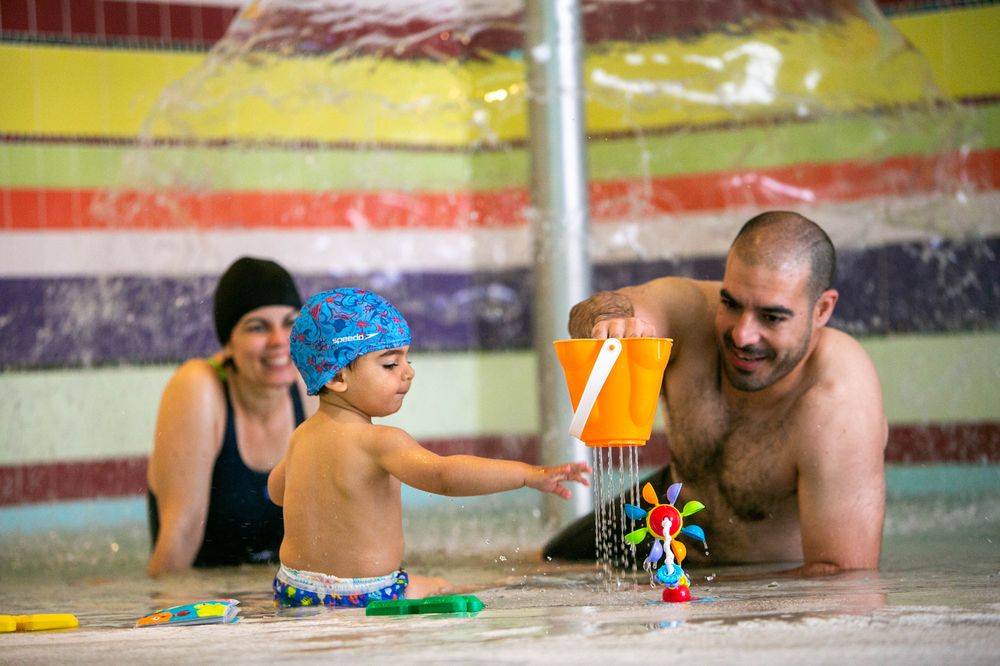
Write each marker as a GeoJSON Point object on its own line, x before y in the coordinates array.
{"type": "Point", "coordinates": [224, 422]}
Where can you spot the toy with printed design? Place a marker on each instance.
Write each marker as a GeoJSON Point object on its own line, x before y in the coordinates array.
{"type": "Point", "coordinates": [216, 611]}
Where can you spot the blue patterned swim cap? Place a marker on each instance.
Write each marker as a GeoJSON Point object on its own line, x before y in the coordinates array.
{"type": "Point", "coordinates": [335, 327]}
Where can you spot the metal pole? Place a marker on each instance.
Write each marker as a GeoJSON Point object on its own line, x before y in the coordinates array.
{"type": "Point", "coordinates": [554, 55]}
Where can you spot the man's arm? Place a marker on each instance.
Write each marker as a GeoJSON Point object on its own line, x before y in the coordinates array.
{"type": "Point", "coordinates": [602, 306]}
{"type": "Point", "coordinates": [652, 309]}
{"type": "Point", "coordinates": [841, 478]}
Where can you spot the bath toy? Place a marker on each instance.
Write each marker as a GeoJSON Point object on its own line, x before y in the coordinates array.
{"type": "Point", "coordinates": [449, 603]}
{"type": "Point", "coordinates": [218, 611]}
{"type": "Point", "coordinates": [38, 622]}
{"type": "Point", "coordinates": [663, 523]}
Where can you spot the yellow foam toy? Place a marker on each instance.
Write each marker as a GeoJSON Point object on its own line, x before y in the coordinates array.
{"type": "Point", "coordinates": [37, 622]}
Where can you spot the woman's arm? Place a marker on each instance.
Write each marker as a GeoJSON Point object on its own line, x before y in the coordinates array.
{"type": "Point", "coordinates": [186, 443]}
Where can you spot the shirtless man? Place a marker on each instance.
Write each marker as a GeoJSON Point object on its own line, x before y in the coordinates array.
{"type": "Point", "coordinates": [775, 421]}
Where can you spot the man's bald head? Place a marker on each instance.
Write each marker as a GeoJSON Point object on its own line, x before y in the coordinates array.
{"type": "Point", "coordinates": [780, 239]}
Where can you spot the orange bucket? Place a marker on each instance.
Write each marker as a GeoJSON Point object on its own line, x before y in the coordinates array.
{"type": "Point", "coordinates": [614, 386]}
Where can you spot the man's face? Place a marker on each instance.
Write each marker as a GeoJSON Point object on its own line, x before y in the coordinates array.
{"type": "Point", "coordinates": [764, 322]}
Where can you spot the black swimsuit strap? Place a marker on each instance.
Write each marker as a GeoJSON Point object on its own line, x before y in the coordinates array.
{"type": "Point", "coordinates": [299, 411]}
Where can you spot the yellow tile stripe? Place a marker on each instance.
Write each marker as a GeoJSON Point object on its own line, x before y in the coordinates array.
{"type": "Point", "coordinates": [69, 91]}
{"type": "Point", "coordinates": [962, 46]}
{"type": "Point", "coordinates": [53, 90]}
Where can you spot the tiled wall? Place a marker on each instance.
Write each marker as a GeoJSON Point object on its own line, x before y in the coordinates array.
{"type": "Point", "coordinates": [134, 166]}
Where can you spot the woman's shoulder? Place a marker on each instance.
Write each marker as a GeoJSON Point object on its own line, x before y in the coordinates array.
{"type": "Point", "coordinates": [197, 379]}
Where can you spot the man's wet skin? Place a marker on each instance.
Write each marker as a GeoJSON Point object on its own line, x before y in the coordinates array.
{"type": "Point", "coordinates": [762, 400]}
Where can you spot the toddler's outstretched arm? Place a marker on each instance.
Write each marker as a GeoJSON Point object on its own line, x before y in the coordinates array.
{"type": "Point", "coordinates": [548, 479]}
{"type": "Point", "coordinates": [462, 475]}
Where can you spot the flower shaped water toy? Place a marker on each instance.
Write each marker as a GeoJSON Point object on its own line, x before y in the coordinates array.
{"type": "Point", "coordinates": [664, 522]}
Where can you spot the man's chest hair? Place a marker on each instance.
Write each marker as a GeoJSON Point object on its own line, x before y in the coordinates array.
{"type": "Point", "coordinates": [747, 457]}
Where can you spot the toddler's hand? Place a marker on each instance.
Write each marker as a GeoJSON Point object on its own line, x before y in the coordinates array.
{"type": "Point", "coordinates": [548, 479]}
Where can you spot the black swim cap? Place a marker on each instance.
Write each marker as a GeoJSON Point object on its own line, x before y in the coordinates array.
{"type": "Point", "coordinates": [248, 284]}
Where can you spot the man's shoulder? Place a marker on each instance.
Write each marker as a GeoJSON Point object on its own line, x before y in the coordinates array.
{"type": "Point", "coordinates": [839, 361]}
{"type": "Point", "coordinates": [677, 306]}
{"type": "Point", "coordinates": [686, 289]}
{"type": "Point", "coordinates": [843, 386]}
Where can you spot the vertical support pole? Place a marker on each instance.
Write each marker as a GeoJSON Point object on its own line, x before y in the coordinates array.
{"type": "Point", "coordinates": [559, 218]}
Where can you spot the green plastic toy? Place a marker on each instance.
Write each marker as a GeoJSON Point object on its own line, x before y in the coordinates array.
{"type": "Point", "coordinates": [448, 603]}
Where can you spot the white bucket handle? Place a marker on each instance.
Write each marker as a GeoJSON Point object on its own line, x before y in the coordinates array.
{"type": "Point", "coordinates": [606, 358]}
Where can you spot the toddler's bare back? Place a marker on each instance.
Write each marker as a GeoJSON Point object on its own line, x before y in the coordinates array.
{"type": "Point", "coordinates": [342, 510]}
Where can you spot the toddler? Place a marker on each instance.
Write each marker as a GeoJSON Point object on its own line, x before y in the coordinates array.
{"type": "Point", "coordinates": [339, 482]}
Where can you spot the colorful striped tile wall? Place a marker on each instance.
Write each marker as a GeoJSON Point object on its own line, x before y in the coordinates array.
{"type": "Point", "coordinates": [119, 204]}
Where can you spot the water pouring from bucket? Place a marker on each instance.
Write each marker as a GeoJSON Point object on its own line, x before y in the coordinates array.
{"type": "Point", "coordinates": [614, 386]}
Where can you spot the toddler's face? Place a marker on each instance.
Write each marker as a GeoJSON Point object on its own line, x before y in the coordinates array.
{"type": "Point", "coordinates": [377, 382]}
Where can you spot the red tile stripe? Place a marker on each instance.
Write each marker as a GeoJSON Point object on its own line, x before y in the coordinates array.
{"type": "Point", "coordinates": [974, 443]}
{"type": "Point", "coordinates": [64, 209]}
{"type": "Point", "coordinates": [204, 23]}
{"type": "Point", "coordinates": [186, 24]}
{"type": "Point", "coordinates": [49, 482]}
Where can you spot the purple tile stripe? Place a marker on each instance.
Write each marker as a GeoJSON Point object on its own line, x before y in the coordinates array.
{"type": "Point", "coordinates": [76, 321]}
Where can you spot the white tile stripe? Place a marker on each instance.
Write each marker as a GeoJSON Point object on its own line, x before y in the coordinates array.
{"type": "Point", "coordinates": [199, 252]}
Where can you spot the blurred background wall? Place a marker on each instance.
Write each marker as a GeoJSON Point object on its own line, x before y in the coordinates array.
{"type": "Point", "coordinates": [145, 145]}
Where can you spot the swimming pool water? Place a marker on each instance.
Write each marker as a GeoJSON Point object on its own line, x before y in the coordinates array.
{"type": "Point", "coordinates": [935, 599]}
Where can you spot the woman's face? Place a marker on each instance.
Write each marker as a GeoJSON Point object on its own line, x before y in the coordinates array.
{"type": "Point", "coordinates": [259, 348]}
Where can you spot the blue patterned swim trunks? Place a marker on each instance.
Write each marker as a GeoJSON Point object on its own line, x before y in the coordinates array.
{"type": "Point", "coordinates": [294, 588]}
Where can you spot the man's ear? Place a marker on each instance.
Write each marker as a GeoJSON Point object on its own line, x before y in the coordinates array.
{"type": "Point", "coordinates": [823, 309]}
{"type": "Point", "coordinates": [338, 384]}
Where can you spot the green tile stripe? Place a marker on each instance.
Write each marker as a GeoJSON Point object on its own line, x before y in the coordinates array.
{"type": "Point", "coordinates": [834, 139]}
{"type": "Point", "coordinates": [908, 481]}
{"type": "Point", "coordinates": [270, 168]}
{"type": "Point", "coordinates": [936, 379]}
{"type": "Point", "coordinates": [69, 165]}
